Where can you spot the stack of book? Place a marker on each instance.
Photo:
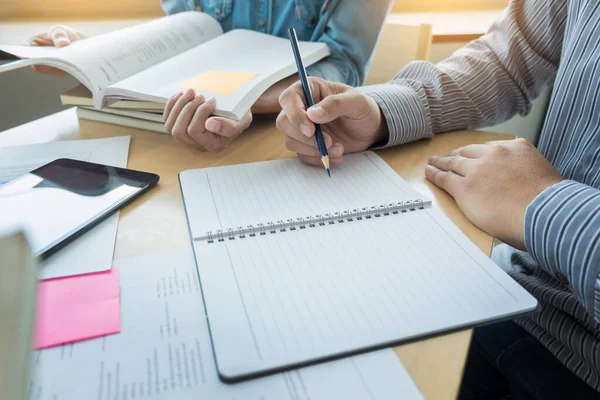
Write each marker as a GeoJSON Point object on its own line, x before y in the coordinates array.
{"type": "Point", "coordinates": [128, 75]}
{"type": "Point", "coordinates": [133, 113]}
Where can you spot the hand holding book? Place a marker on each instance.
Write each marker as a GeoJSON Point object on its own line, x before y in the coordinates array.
{"type": "Point", "coordinates": [188, 117]}
{"type": "Point", "coordinates": [140, 68]}
{"type": "Point", "coordinates": [56, 35]}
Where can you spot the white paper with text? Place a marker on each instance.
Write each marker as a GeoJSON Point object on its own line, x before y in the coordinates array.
{"type": "Point", "coordinates": [164, 352]}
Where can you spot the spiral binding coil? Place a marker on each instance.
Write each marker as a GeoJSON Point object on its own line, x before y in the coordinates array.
{"type": "Point", "coordinates": [313, 221]}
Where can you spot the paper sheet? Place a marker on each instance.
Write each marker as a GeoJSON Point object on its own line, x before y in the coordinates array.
{"type": "Point", "coordinates": [77, 308]}
{"type": "Point", "coordinates": [164, 352]}
{"type": "Point", "coordinates": [93, 251]}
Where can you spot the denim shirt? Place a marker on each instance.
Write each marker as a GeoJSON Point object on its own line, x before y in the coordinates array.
{"type": "Point", "coordinates": [349, 27]}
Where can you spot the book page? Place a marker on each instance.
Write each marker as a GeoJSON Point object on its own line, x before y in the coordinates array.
{"type": "Point", "coordinates": [111, 57]}
{"type": "Point", "coordinates": [165, 352]}
{"type": "Point", "coordinates": [296, 297]}
{"type": "Point", "coordinates": [259, 193]}
{"type": "Point", "coordinates": [249, 61]}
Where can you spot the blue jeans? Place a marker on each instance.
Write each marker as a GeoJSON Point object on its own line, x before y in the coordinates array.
{"type": "Point", "coordinates": [506, 362]}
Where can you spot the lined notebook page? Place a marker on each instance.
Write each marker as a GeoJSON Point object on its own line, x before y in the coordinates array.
{"type": "Point", "coordinates": [288, 298]}
{"type": "Point", "coordinates": [250, 194]}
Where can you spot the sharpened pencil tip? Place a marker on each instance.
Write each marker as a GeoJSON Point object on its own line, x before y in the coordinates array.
{"type": "Point", "coordinates": [325, 161]}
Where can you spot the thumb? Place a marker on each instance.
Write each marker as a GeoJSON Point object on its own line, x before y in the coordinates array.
{"type": "Point", "coordinates": [60, 35]}
{"type": "Point", "coordinates": [349, 104]}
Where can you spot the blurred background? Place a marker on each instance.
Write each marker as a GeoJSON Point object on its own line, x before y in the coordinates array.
{"type": "Point", "coordinates": [453, 23]}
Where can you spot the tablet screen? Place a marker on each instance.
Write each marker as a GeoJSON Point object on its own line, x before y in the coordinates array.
{"type": "Point", "coordinates": [60, 199]}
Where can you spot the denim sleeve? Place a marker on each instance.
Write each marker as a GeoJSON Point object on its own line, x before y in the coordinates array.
{"type": "Point", "coordinates": [351, 33]}
{"type": "Point", "coordinates": [562, 233]}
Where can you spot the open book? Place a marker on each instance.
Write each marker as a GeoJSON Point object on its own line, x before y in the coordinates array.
{"type": "Point", "coordinates": [151, 62]}
{"type": "Point", "coordinates": [296, 267]}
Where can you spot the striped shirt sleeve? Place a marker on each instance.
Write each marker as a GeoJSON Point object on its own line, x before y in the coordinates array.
{"type": "Point", "coordinates": [562, 235]}
{"type": "Point", "coordinates": [487, 82]}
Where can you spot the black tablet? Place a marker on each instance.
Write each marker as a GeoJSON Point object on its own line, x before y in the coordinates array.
{"type": "Point", "coordinates": [61, 200]}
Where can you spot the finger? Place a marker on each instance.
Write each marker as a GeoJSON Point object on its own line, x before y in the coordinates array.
{"type": "Point", "coordinates": [335, 150]}
{"type": "Point", "coordinates": [457, 164]}
{"type": "Point", "coordinates": [169, 105]}
{"type": "Point", "coordinates": [447, 180]}
{"type": "Point", "coordinates": [40, 40]}
{"type": "Point", "coordinates": [198, 125]}
{"type": "Point", "coordinates": [191, 143]}
{"type": "Point", "coordinates": [62, 35]}
{"type": "Point", "coordinates": [59, 35]}
{"type": "Point", "coordinates": [227, 127]}
{"type": "Point", "coordinates": [285, 126]}
{"type": "Point", "coordinates": [302, 149]}
{"type": "Point", "coordinates": [187, 96]}
{"type": "Point", "coordinates": [349, 104]}
{"type": "Point", "coordinates": [316, 161]}
{"type": "Point", "coordinates": [312, 149]}
{"type": "Point", "coordinates": [211, 141]}
{"type": "Point", "coordinates": [198, 132]}
{"type": "Point", "coordinates": [184, 119]}
{"type": "Point", "coordinates": [187, 139]}
{"type": "Point", "coordinates": [294, 108]}
{"type": "Point", "coordinates": [470, 151]}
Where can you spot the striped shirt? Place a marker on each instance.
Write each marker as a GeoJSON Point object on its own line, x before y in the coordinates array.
{"type": "Point", "coordinates": [537, 43]}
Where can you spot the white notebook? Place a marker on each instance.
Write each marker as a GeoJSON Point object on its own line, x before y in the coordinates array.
{"type": "Point", "coordinates": [298, 268]}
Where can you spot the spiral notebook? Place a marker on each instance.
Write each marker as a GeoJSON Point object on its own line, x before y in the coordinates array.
{"type": "Point", "coordinates": [298, 268]}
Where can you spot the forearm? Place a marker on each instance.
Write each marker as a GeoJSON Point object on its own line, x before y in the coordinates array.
{"type": "Point", "coordinates": [488, 81]}
{"type": "Point", "coordinates": [350, 29]}
{"type": "Point", "coordinates": [562, 233]}
{"type": "Point", "coordinates": [336, 68]}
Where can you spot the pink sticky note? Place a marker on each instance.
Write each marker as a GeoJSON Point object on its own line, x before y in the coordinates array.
{"type": "Point", "coordinates": [77, 308]}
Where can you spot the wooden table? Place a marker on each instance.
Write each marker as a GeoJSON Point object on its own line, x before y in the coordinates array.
{"type": "Point", "coordinates": [156, 221]}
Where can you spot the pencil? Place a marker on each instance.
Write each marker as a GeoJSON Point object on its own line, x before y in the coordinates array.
{"type": "Point", "coordinates": [309, 99]}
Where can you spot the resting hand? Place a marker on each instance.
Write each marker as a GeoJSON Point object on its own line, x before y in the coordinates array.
{"type": "Point", "coordinates": [493, 184]}
{"type": "Point", "coordinates": [59, 36]}
{"type": "Point", "coordinates": [188, 118]}
{"type": "Point", "coordinates": [351, 120]}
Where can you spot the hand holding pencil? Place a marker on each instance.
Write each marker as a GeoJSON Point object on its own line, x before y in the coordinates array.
{"type": "Point", "coordinates": [309, 99]}
{"type": "Point", "coordinates": [351, 117]}
{"type": "Point", "coordinates": [350, 120]}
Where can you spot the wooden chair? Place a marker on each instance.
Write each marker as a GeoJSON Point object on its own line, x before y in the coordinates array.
{"type": "Point", "coordinates": [397, 46]}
